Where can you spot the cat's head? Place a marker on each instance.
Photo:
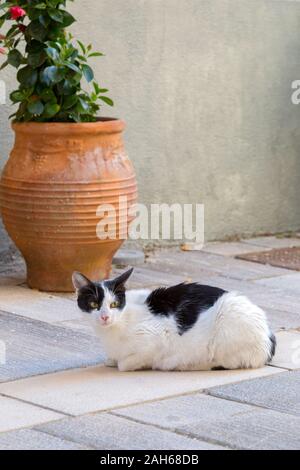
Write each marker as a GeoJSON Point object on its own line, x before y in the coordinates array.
{"type": "Point", "coordinates": [104, 300]}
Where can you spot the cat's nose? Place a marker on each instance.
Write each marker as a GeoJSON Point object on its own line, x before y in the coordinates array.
{"type": "Point", "coordinates": [104, 318]}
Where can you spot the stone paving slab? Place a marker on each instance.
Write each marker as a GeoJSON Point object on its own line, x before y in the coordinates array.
{"type": "Point", "coordinates": [288, 350]}
{"type": "Point", "coordinates": [273, 242]}
{"type": "Point", "coordinates": [269, 298]}
{"type": "Point", "coordinates": [37, 305]}
{"type": "Point", "coordinates": [280, 320]}
{"type": "Point", "coordinates": [280, 392]}
{"type": "Point", "coordinates": [104, 431]}
{"type": "Point", "coordinates": [29, 439]}
{"type": "Point", "coordinates": [289, 283]}
{"type": "Point", "coordinates": [81, 391]}
{"type": "Point", "coordinates": [226, 422]}
{"type": "Point", "coordinates": [33, 348]}
{"type": "Point", "coordinates": [143, 277]}
{"type": "Point", "coordinates": [16, 414]}
{"type": "Point", "coordinates": [198, 265]}
{"type": "Point", "coordinates": [83, 325]}
{"type": "Point", "coordinates": [230, 248]}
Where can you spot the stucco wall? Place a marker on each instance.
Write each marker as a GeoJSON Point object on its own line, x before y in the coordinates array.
{"type": "Point", "coordinates": [205, 87]}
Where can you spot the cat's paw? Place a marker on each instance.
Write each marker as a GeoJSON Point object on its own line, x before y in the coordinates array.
{"type": "Point", "coordinates": [111, 363]}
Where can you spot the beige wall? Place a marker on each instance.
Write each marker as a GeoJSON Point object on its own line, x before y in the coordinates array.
{"type": "Point", "coordinates": [204, 86]}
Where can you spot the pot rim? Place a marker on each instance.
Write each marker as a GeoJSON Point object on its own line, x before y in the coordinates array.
{"type": "Point", "coordinates": [103, 125]}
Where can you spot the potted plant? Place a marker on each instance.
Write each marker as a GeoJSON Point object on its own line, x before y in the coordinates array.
{"type": "Point", "coordinates": [66, 161]}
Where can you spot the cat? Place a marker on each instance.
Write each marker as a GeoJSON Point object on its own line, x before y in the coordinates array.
{"type": "Point", "coordinates": [183, 327]}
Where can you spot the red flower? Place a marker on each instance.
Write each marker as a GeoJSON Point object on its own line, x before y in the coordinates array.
{"type": "Point", "coordinates": [2, 50]}
{"type": "Point", "coordinates": [16, 13]}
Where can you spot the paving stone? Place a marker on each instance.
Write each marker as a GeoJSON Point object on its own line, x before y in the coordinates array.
{"type": "Point", "coordinates": [129, 257]}
{"type": "Point", "coordinates": [29, 439]}
{"type": "Point", "coordinates": [288, 283]}
{"type": "Point", "coordinates": [16, 414]}
{"type": "Point", "coordinates": [280, 392]}
{"type": "Point", "coordinates": [273, 242]}
{"type": "Point", "coordinates": [37, 305]}
{"type": "Point", "coordinates": [269, 298]}
{"type": "Point", "coordinates": [280, 320]}
{"type": "Point", "coordinates": [225, 422]}
{"type": "Point", "coordinates": [146, 277]}
{"type": "Point", "coordinates": [288, 350]}
{"type": "Point", "coordinates": [199, 264]}
{"type": "Point", "coordinates": [33, 348]}
{"type": "Point", "coordinates": [83, 325]}
{"type": "Point", "coordinates": [93, 389]}
{"type": "Point", "coordinates": [229, 248]}
{"type": "Point", "coordinates": [104, 431]}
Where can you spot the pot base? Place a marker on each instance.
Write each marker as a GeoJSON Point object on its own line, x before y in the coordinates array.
{"type": "Point", "coordinates": [50, 273]}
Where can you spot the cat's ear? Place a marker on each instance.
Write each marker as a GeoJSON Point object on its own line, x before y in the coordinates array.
{"type": "Point", "coordinates": [120, 280]}
{"type": "Point", "coordinates": [79, 280]}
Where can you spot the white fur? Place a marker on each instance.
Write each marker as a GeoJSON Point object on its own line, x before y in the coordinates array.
{"type": "Point", "coordinates": [233, 333]}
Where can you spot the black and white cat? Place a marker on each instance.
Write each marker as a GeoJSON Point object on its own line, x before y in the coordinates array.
{"type": "Point", "coordinates": [184, 327]}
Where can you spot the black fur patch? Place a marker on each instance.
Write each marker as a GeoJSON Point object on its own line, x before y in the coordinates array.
{"type": "Point", "coordinates": [184, 301]}
{"type": "Point", "coordinates": [273, 347]}
{"type": "Point", "coordinates": [93, 292]}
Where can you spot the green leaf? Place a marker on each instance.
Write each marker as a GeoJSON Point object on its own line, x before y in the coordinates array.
{"type": "Point", "coordinates": [72, 67]}
{"type": "Point", "coordinates": [96, 54]}
{"type": "Point", "coordinates": [54, 3]}
{"type": "Point", "coordinates": [36, 108]}
{"type": "Point", "coordinates": [66, 88]}
{"type": "Point", "coordinates": [52, 53]}
{"type": "Point", "coordinates": [41, 6]}
{"type": "Point", "coordinates": [82, 47]}
{"type": "Point", "coordinates": [5, 64]}
{"type": "Point", "coordinates": [70, 101]}
{"type": "Point", "coordinates": [51, 109]}
{"type": "Point", "coordinates": [52, 75]}
{"type": "Point", "coordinates": [82, 106]}
{"type": "Point", "coordinates": [87, 72]}
{"type": "Point", "coordinates": [27, 76]}
{"type": "Point", "coordinates": [15, 58]}
{"type": "Point", "coordinates": [34, 46]}
{"type": "Point", "coordinates": [36, 59]}
{"type": "Point", "coordinates": [16, 96]}
{"type": "Point", "coordinates": [68, 19]}
{"type": "Point", "coordinates": [48, 95]}
{"type": "Point", "coordinates": [56, 15]}
{"type": "Point", "coordinates": [106, 100]}
{"type": "Point", "coordinates": [76, 78]}
{"type": "Point", "coordinates": [36, 30]}
{"type": "Point", "coordinates": [44, 20]}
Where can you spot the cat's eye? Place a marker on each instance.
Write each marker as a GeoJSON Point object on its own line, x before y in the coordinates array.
{"type": "Point", "coordinates": [114, 304]}
{"type": "Point", "coordinates": [93, 305]}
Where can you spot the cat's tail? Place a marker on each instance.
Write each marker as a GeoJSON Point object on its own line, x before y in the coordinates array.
{"type": "Point", "coordinates": [273, 345]}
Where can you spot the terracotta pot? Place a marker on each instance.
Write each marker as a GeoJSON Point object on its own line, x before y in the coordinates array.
{"type": "Point", "coordinates": [51, 187]}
